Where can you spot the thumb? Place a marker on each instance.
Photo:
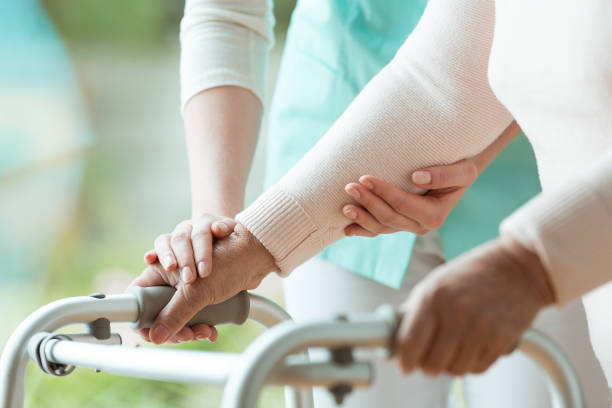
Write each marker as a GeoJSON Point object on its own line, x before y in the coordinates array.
{"type": "Point", "coordinates": [223, 227]}
{"type": "Point", "coordinates": [185, 303]}
{"type": "Point", "coordinates": [460, 174]}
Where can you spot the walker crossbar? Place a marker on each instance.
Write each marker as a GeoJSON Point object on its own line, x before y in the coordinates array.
{"type": "Point", "coordinates": [273, 358]}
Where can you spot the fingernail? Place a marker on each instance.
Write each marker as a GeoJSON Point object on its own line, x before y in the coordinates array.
{"type": "Point", "coordinates": [202, 269]}
{"type": "Point", "coordinates": [421, 177]}
{"type": "Point", "coordinates": [159, 334]}
{"type": "Point", "coordinates": [222, 227]}
{"type": "Point", "coordinates": [187, 275]}
{"type": "Point", "coordinates": [168, 262]}
{"type": "Point", "coordinates": [366, 183]}
{"type": "Point", "coordinates": [353, 192]}
{"type": "Point", "coordinates": [349, 212]}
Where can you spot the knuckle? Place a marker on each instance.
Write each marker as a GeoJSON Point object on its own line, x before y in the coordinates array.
{"type": "Point", "coordinates": [462, 311]}
{"type": "Point", "coordinates": [437, 294]}
{"type": "Point", "coordinates": [179, 236]}
{"type": "Point", "coordinates": [435, 219]}
{"type": "Point", "coordinates": [470, 171]}
{"type": "Point", "coordinates": [161, 239]}
{"type": "Point", "coordinates": [388, 219]}
{"type": "Point", "coordinates": [421, 231]}
{"type": "Point", "coordinates": [199, 233]}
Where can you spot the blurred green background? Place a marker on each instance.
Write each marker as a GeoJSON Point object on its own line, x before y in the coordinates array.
{"type": "Point", "coordinates": [93, 167]}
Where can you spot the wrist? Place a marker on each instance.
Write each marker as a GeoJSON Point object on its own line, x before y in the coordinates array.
{"type": "Point", "coordinates": [528, 264]}
{"type": "Point", "coordinates": [223, 208]}
{"type": "Point", "coordinates": [259, 260]}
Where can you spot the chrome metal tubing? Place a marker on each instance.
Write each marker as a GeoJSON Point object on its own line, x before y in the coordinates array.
{"type": "Point", "coordinates": [265, 355]}
{"type": "Point", "coordinates": [202, 367]}
{"type": "Point", "coordinates": [563, 384]}
{"type": "Point", "coordinates": [84, 309]}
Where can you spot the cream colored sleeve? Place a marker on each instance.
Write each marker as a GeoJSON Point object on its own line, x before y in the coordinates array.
{"type": "Point", "coordinates": [431, 105]}
{"type": "Point", "coordinates": [225, 42]}
{"type": "Point", "coordinates": [570, 228]}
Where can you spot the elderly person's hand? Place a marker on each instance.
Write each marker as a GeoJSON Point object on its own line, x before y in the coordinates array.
{"type": "Point", "coordinates": [471, 311]}
{"type": "Point", "coordinates": [240, 262]}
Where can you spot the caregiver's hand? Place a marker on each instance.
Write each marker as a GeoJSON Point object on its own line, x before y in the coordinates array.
{"type": "Point", "coordinates": [386, 209]}
{"type": "Point", "coordinates": [240, 262]}
{"type": "Point", "coordinates": [471, 311]}
{"type": "Point", "coordinates": [189, 247]}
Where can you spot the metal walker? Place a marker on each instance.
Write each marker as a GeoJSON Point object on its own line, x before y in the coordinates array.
{"type": "Point", "coordinates": [276, 357]}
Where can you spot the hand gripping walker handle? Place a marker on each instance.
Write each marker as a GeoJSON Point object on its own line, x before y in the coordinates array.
{"type": "Point", "coordinates": [152, 300]}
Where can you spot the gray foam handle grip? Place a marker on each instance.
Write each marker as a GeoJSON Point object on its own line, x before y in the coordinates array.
{"type": "Point", "coordinates": [153, 299]}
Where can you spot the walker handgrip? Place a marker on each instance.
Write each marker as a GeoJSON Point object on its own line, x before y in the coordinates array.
{"type": "Point", "coordinates": [152, 300]}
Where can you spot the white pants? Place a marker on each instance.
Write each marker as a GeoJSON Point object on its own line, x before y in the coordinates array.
{"type": "Point", "coordinates": [320, 289]}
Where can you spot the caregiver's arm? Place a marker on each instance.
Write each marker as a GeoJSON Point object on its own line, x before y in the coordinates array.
{"type": "Point", "coordinates": [431, 105]}
{"type": "Point", "coordinates": [224, 58]}
{"type": "Point", "coordinates": [385, 209]}
{"type": "Point", "coordinates": [224, 54]}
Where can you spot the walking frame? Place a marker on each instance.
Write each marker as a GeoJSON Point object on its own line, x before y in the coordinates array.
{"type": "Point", "coordinates": [277, 357]}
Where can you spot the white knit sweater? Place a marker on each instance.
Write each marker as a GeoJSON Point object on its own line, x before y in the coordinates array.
{"type": "Point", "coordinates": [550, 66]}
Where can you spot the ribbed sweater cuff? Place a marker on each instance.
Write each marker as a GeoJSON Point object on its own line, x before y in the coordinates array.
{"type": "Point", "coordinates": [571, 232]}
{"type": "Point", "coordinates": [283, 227]}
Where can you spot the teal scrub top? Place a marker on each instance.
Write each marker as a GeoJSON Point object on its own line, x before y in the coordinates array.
{"type": "Point", "coordinates": [333, 48]}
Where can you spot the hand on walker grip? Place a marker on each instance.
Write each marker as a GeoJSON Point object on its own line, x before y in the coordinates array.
{"type": "Point", "coordinates": [385, 208]}
{"type": "Point", "coordinates": [469, 312]}
{"type": "Point", "coordinates": [188, 249]}
{"type": "Point", "coordinates": [240, 263]}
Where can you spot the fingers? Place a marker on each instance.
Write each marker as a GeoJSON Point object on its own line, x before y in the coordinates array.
{"type": "Point", "coordinates": [425, 212]}
{"type": "Point", "coordinates": [164, 252]}
{"type": "Point", "coordinates": [223, 227]}
{"type": "Point", "coordinates": [183, 251]}
{"type": "Point", "coordinates": [151, 276]}
{"type": "Point", "coordinates": [357, 230]}
{"type": "Point", "coordinates": [150, 257]}
{"type": "Point", "coordinates": [186, 302]}
{"type": "Point", "coordinates": [460, 174]}
{"type": "Point", "coordinates": [202, 243]}
{"type": "Point", "coordinates": [442, 350]}
{"type": "Point", "coordinates": [364, 219]}
{"type": "Point", "coordinates": [415, 333]}
{"type": "Point", "coordinates": [183, 335]}
{"type": "Point", "coordinates": [386, 217]}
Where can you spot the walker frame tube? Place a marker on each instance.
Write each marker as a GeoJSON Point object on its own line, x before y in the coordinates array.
{"type": "Point", "coordinates": [115, 308]}
{"type": "Point", "coordinates": [264, 361]}
{"type": "Point", "coordinates": [262, 357]}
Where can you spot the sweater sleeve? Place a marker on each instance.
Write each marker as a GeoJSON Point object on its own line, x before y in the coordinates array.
{"type": "Point", "coordinates": [431, 105]}
{"type": "Point", "coordinates": [570, 228]}
{"type": "Point", "coordinates": [225, 42]}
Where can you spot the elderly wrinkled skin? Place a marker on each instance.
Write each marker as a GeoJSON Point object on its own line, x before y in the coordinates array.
{"type": "Point", "coordinates": [240, 262]}
{"type": "Point", "coordinates": [473, 310]}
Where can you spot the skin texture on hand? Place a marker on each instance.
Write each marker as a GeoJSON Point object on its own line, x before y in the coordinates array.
{"type": "Point", "coordinates": [240, 262]}
{"type": "Point", "coordinates": [473, 310]}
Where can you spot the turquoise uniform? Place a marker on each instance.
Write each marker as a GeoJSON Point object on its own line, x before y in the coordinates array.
{"type": "Point", "coordinates": [333, 48]}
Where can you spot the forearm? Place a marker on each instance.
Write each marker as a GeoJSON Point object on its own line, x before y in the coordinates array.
{"type": "Point", "coordinates": [224, 58]}
{"type": "Point", "coordinates": [221, 127]}
{"type": "Point", "coordinates": [431, 105]}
